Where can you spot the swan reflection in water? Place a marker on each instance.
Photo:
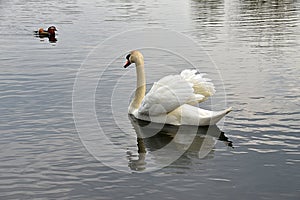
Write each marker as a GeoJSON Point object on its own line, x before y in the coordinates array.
{"type": "Point", "coordinates": [164, 144]}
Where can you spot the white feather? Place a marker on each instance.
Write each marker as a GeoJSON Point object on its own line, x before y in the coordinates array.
{"type": "Point", "coordinates": [201, 85]}
{"type": "Point", "coordinates": [173, 91]}
{"type": "Point", "coordinates": [166, 95]}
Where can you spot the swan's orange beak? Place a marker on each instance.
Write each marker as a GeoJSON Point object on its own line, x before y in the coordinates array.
{"type": "Point", "coordinates": [127, 64]}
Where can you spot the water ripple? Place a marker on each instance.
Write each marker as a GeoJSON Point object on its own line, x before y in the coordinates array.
{"type": "Point", "coordinates": [255, 45]}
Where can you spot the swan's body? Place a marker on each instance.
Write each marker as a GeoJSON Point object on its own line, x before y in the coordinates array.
{"type": "Point", "coordinates": [172, 99]}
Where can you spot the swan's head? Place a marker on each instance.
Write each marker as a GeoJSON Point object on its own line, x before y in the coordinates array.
{"type": "Point", "coordinates": [134, 57]}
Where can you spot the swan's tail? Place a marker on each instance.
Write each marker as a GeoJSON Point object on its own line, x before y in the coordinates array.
{"type": "Point", "coordinates": [218, 115]}
{"type": "Point", "coordinates": [228, 110]}
{"type": "Point", "coordinates": [191, 115]}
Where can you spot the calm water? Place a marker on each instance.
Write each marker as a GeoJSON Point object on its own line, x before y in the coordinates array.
{"type": "Point", "coordinates": [255, 46]}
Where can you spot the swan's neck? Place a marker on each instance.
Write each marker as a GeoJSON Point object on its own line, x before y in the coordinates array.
{"type": "Point", "coordinates": [140, 87]}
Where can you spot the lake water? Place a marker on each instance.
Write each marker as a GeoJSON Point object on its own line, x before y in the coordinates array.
{"type": "Point", "coordinates": [250, 50]}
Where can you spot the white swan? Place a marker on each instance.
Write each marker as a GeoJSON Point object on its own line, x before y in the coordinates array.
{"type": "Point", "coordinates": [172, 99]}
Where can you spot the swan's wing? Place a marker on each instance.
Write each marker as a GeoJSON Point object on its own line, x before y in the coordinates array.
{"type": "Point", "coordinates": [168, 94]}
{"type": "Point", "coordinates": [201, 85]}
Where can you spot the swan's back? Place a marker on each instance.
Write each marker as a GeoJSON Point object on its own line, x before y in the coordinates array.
{"type": "Point", "coordinates": [201, 85]}
{"type": "Point", "coordinates": [173, 91]}
{"type": "Point", "coordinates": [166, 95]}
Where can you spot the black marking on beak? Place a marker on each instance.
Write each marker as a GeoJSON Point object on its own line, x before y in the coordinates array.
{"type": "Point", "coordinates": [128, 62]}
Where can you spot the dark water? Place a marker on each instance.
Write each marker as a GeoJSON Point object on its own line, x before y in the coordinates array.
{"type": "Point", "coordinates": [255, 46]}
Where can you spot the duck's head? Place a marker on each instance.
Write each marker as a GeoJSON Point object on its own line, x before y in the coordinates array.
{"type": "Point", "coordinates": [134, 57]}
{"type": "Point", "coordinates": [51, 30]}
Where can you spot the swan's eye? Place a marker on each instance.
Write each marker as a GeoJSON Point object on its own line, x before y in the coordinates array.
{"type": "Point", "coordinates": [127, 57]}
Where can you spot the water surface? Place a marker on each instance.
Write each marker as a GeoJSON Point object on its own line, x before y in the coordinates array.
{"type": "Point", "coordinates": [255, 46]}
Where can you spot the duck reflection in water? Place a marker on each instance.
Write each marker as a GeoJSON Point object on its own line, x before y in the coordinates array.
{"type": "Point", "coordinates": [165, 144]}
